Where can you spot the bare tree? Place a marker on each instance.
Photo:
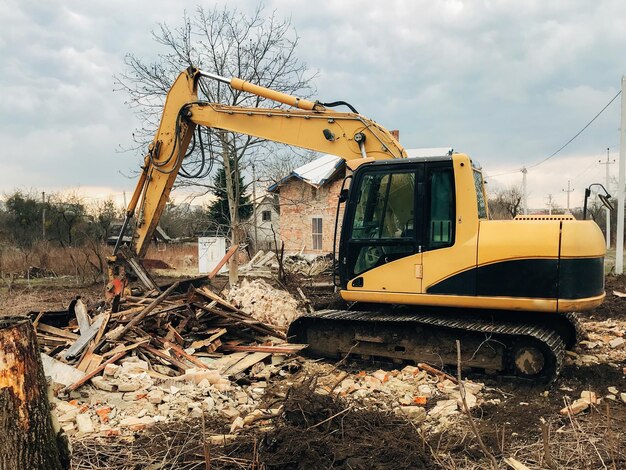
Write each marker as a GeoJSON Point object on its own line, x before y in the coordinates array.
{"type": "Point", "coordinates": [284, 161]}
{"type": "Point", "coordinates": [258, 48]}
{"type": "Point", "coordinates": [506, 202]}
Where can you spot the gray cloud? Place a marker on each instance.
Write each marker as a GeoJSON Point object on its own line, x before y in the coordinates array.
{"type": "Point", "coordinates": [507, 82]}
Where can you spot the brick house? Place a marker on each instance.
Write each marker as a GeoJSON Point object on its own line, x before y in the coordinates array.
{"type": "Point", "coordinates": [308, 203]}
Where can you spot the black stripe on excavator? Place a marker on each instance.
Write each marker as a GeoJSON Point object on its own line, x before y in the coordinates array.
{"type": "Point", "coordinates": [568, 278]}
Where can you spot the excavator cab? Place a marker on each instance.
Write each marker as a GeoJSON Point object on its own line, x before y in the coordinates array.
{"type": "Point", "coordinates": [395, 210]}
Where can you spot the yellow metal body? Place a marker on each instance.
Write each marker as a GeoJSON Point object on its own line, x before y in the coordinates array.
{"type": "Point", "coordinates": [478, 244]}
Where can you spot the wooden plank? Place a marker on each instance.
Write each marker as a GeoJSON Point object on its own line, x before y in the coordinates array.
{"type": "Point", "coordinates": [224, 362]}
{"type": "Point", "coordinates": [250, 263]}
{"type": "Point", "coordinates": [206, 342]}
{"type": "Point", "coordinates": [157, 352]}
{"type": "Point", "coordinates": [125, 348]}
{"type": "Point", "coordinates": [211, 296]}
{"type": "Point", "coordinates": [128, 311]}
{"type": "Point", "coordinates": [82, 317]}
{"type": "Point", "coordinates": [85, 338]}
{"type": "Point", "coordinates": [173, 335]}
{"type": "Point", "coordinates": [180, 351]}
{"type": "Point", "coordinates": [431, 370]}
{"type": "Point", "coordinates": [96, 371]}
{"type": "Point", "coordinates": [83, 364]}
{"type": "Point", "coordinates": [96, 360]}
{"type": "Point", "coordinates": [280, 349]}
{"type": "Point", "coordinates": [246, 363]}
{"type": "Point", "coordinates": [52, 340]}
{"type": "Point", "coordinates": [36, 321]}
{"type": "Point", "coordinates": [57, 331]}
{"type": "Point", "coordinates": [223, 261]}
{"type": "Point", "coordinates": [266, 259]}
{"type": "Point", "coordinates": [103, 327]}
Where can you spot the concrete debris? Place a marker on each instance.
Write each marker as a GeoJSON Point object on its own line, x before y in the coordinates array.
{"type": "Point", "coordinates": [587, 398]}
{"type": "Point", "coordinates": [578, 406]}
{"type": "Point", "coordinates": [470, 400]}
{"type": "Point", "coordinates": [84, 424]}
{"type": "Point", "coordinates": [137, 424]}
{"type": "Point", "coordinates": [272, 306]}
{"type": "Point", "coordinates": [444, 408]}
{"type": "Point", "coordinates": [60, 372]}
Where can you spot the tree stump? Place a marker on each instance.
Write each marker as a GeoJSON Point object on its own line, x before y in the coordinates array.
{"type": "Point", "coordinates": [28, 439]}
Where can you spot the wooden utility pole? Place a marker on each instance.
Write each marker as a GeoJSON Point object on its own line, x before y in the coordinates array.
{"type": "Point", "coordinates": [28, 439]}
{"type": "Point", "coordinates": [550, 204]}
{"type": "Point", "coordinates": [568, 190]}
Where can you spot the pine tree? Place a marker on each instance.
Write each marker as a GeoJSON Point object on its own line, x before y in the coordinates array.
{"type": "Point", "coordinates": [218, 209]}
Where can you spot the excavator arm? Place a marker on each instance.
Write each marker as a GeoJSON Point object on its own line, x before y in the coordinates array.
{"type": "Point", "coordinates": [311, 126]}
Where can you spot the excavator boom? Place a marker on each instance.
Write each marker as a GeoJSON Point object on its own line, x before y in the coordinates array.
{"type": "Point", "coordinates": [348, 135]}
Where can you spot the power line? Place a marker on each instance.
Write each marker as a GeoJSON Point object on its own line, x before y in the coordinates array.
{"type": "Point", "coordinates": [564, 145]}
{"type": "Point", "coordinates": [578, 133]}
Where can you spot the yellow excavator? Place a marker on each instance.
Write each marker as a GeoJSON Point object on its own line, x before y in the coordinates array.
{"type": "Point", "coordinates": [419, 261]}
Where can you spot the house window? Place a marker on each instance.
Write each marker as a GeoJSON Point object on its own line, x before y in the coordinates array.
{"type": "Point", "coordinates": [316, 230]}
{"type": "Point", "coordinates": [266, 216]}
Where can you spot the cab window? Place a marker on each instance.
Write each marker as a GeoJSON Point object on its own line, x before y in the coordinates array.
{"type": "Point", "coordinates": [480, 195]}
{"type": "Point", "coordinates": [441, 215]}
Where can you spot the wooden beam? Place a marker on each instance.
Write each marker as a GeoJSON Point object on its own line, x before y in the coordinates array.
{"type": "Point", "coordinates": [223, 261]}
{"type": "Point", "coordinates": [57, 331]}
{"type": "Point", "coordinates": [96, 371]}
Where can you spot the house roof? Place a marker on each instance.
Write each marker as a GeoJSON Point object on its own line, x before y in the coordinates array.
{"type": "Point", "coordinates": [322, 169]}
{"type": "Point", "coordinates": [316, 173]}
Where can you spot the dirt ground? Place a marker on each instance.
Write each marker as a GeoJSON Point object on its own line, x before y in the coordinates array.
{"type": "Point", "coordinates": [318, 431]}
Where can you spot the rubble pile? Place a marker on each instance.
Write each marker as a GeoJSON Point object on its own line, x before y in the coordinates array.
{"type": "Point", "coordinates": [146, 349]}
{"type": "Point", "coordinates": [605, 343]}
{"type": "Point", "coordinates": [319, 265]}
{"type": "Point", "coordinates": [272, 306]}
{"type": "Point", "coordinates": [171, 356]}
{"type": "Point", "coordinates": [262, 264]}
{"type": "Point", "coordinates": [128, 398]}
{"type": "Point", "coordinates": [420, 393]}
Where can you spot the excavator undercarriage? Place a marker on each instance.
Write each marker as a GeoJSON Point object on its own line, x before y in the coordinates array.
{"type": "Point", "coordinates": [503, 345]}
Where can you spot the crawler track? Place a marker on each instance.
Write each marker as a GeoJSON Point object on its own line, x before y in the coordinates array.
{"type": "Point", "coordinates": [493, 342]}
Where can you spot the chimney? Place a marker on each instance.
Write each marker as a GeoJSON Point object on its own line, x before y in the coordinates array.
{"type": "Point", "coordinates": [396, 134]}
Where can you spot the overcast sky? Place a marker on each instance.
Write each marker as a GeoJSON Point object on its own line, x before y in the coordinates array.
{"type": "Point", "coordinates": [507, 82]}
